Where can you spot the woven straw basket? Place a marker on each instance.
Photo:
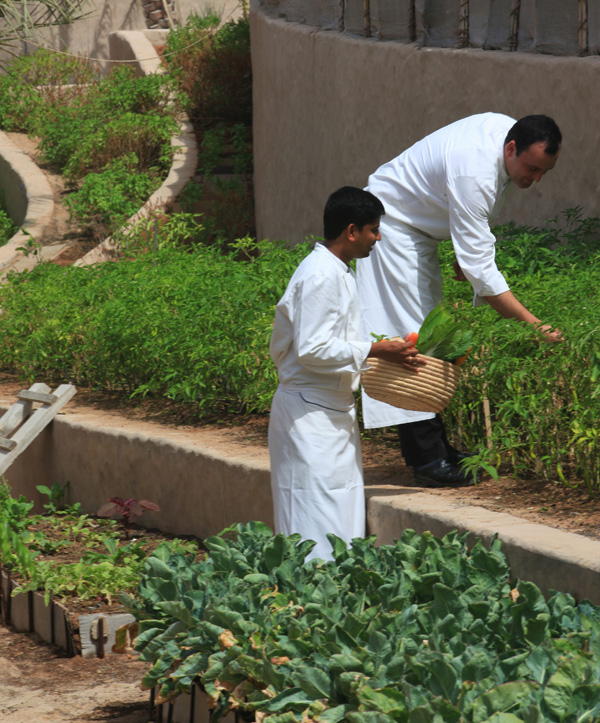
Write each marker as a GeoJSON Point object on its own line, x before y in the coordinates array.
{"type": "Point", "coordinates": [428, 391]}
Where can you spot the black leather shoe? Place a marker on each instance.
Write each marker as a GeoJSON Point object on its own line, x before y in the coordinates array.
{"type": "Point", "coordinates": [442, 474]}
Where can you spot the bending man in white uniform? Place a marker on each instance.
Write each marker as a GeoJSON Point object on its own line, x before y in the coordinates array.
{"type": "Point", "coordinates": [450, 184]}
{"type": "Point", "coordinates": [314, 443]}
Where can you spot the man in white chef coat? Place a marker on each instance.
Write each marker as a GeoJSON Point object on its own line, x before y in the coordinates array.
{"type": "Point", "coordinates": [314, 443]}
{"type": "Point", "coordinates": [451, 183]}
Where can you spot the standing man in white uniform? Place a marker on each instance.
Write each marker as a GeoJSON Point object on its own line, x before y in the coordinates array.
{"type": "Point", "coordinates": [314, 443]}
{"type": "Point", "coordinates": [452, 183]}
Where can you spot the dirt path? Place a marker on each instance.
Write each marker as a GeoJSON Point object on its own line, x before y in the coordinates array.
{"type": "Point", "coordinates": [38, 684]}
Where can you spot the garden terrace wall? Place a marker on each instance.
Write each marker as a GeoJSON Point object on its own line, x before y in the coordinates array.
{"type": "Point", "coordinates": [330, 108]}
{"type": "Point", "coordinates": [204, 482]}
{"type": "Point", "coordinates": [90, 35]}
{"type": "Point", "coordinates": [140, 46]}
{"type": "Point", "coordinates": [200, 487]}
{"type": "Point", "coordinates": [27, 197]}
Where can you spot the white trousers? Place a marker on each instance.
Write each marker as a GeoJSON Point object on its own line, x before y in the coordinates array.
{"type": "Point", "coordinates": [316, 471]}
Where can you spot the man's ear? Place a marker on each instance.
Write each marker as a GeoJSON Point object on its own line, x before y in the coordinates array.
{"type": "Point", "coordinates": [511, 149]}
{"type": "Point", "coordinates": [351, 231]}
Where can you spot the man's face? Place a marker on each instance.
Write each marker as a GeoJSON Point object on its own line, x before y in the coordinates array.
{"type": "Point", "coordinates": [530, 165]}
{"type": "Point", "coordinates": [365, 239]}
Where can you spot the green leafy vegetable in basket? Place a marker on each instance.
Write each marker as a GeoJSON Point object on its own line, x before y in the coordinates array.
{"type": "Point", "coordinates": [442, 337]}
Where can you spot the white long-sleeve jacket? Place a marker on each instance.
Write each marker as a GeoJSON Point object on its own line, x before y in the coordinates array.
{"type": "Point", "coordinates": [453, 183]}
{"type": "Point", "coordinates": [316, 342]}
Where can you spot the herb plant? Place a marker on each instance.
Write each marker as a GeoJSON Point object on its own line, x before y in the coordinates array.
{"type": "Point", "coordinates": [193, 327]}
{"type": "Point", "coordinates": [212, 68]}
{"type": "Point", "coordinates": [109, 136]}
{"type": "Point", "coordinates": [126, 508]}
{"type": "Point", "coordinates": [7, 227]}
{"type": "Point", "coordinates": [529, 407]}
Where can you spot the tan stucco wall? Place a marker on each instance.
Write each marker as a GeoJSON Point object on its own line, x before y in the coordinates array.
{"type": "Point", "coordinates": [89, 36]}
{"type": "Point", "coordinates": [201, 482]}
{"type": "Point", "coordinates": [329, 109]}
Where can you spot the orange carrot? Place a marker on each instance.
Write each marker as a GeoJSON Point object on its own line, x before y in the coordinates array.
{"type": "Point", "coordinates": [412, 338]}
{"type": "Point", "coordinates": [460, 360]}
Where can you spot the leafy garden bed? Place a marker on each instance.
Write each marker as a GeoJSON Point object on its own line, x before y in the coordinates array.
{"type": "Point", "coordinates": [422, 630]}
{"type": "Point", "coordinates": [78, 563]}
{"type": "Point", "coordinates": [191, 323]}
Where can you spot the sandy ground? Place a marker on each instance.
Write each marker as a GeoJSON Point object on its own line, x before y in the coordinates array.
{"type": "Point", "coordinates": [39, 684]}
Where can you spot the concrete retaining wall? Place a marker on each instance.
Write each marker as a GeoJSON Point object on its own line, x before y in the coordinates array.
{"type": "Point", "coordinates": [203, 485]}
{"type": "Point", "coordinates": [27, 197]}
{"type": "Point", "coordinates": [201, 488]}
{"type": "Point", "coordinates": [329, 109]}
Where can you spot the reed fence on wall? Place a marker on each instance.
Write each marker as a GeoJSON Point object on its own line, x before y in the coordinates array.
{"type": "Point", "coordinates": [555, 27]}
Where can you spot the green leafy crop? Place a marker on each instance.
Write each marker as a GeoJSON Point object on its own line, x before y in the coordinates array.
{"type": "Point", "coordinates": [191, 327]}
{"type": "Point", "coordinates": [425, 629]}
{"type": "Point", "coordinates": [32, 547]}
{"type": "Point", "coordinates": [441, 336]}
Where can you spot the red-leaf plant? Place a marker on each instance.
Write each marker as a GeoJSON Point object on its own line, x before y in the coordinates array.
{"type": "Point", "coordinates": [126, 508]}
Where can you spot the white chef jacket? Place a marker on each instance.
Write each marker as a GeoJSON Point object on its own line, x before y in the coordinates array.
{"type": "Point", "coordinates": [316, 344]}
{"type": "Point", "coordinates": [314, 442]}
{"type": "Point", "coordinates": [451, 183]}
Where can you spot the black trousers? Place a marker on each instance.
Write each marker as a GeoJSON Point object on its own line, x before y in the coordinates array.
{"type": "Point", "coordinates": [424, 442]}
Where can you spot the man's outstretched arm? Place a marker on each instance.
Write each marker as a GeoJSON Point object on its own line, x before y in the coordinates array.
{"type": "Point", "coordinates": [508, 306]}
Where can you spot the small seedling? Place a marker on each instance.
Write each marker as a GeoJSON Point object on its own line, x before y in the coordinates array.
{"type": "Point", "coordinates": [56, 495]}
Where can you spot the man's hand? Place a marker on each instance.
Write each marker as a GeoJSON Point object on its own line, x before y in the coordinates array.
{"type": "Point", "coordinates": [552, 335]}
{"type": "Point", "coordinates": [508, 306]}
{"type": "Point", "coordinates": [458, 272]}
{"type": "Point", "coordinates": [397, 352]}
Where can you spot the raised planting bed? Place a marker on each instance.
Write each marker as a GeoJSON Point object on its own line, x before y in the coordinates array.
{"type": "Point", "coordinates": [89, 635]}
{"type": "Point", "coordinates": [61, 573]}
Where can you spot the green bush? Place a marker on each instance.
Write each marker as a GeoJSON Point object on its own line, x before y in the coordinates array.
{"type": "Point", "coordinates": [194, 326]}
{"type": "Point", "coordinates": [7, 227]}
{"type": "Point", "coordinates": [113, 132]}
{"type": "Point", "coordinates": [191, 327]}
{"type": "Point", "coordinates": [544, 399]}
{"type": "Point", "coordinates": [31, 87]}
{"type": "Point", "coordinates": [110, 196]}
{"type": "Point", "coordinates": [212, 69]}
{"type": "Point", "coordinates": [422, 630]}
{"type": "Point", "coordinates": [122, 114]}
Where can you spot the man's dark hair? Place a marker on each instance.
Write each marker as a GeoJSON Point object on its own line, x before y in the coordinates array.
{"type": "Point", "coordinates": [535, 129]}
{"type": "Point", "coordinates": [349, 205]}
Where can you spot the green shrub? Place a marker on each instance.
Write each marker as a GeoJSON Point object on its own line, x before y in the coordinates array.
{"type": "Point", "coordinates": [191, 327]}
{"type": "Point", "coordinates": [32, 84]}
{"type": "Point", "coordinates": [194, 325]}
{"type": "Point", "coordinates": [544, 399]}
{"type": "Point", "coordinates": [7, 227]}
{"type": "Point", "coordinates": [212, 69]}
{"type": "Point", "coordinates": [120, 115]}
{"type": "Point", "coordinates": [425, 629]}
{"type": "Point", "coordinates": [111, 196]}
{"type": "Point", "coordinates": [114, 133]}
